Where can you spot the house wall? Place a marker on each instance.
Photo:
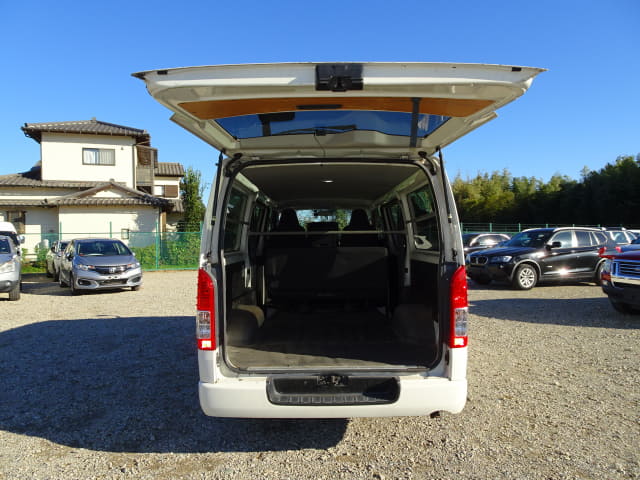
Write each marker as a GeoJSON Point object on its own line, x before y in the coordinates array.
{"type": "Point", "coordinates": [77, 221]}
{"type": "Point", "coordinates": [40, 229]}
{"type": "Point", "coordinates": [62, 158]}
{"type": "Point", "coordinates": [164, 181]}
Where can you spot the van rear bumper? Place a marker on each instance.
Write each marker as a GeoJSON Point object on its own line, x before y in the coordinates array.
{"type": "Point", "coordinates": [247, 397]}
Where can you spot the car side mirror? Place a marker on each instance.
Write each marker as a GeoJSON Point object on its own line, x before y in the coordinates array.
{"type": "Point", "coordinates": [69, 255]}
{"type": "Point", "coordinates": [53, 248]}
{"type": "Point", "coordinates": [21, 238]}
{"type": "Point", "coordinates": [553, 245]}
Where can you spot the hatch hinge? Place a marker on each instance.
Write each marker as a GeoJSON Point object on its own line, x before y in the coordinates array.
{"type": "Point", "coordinates": [339, 77]}
{"type": "Point", "coordinates": [428, 162]}
{"type": "Point", "coordinates": [233, 164]}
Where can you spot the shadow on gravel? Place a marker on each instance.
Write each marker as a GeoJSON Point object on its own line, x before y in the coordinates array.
{"type": "Point", "coordinates": [575, 312]}
{"type": "Point", "coordinates": [128, 385]}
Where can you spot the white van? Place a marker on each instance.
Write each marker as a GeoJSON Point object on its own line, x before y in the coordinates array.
{"type": "Point", "coordinates": [8, 229]}
{"type": "Point", "coordinates": [332, 279]}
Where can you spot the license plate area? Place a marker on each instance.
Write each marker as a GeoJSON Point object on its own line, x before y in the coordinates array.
{"type": "Point", "coordinates": [332, 389]}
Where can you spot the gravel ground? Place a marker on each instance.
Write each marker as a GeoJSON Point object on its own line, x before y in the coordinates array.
{"type": "Point", "coordinates": [104, 386]}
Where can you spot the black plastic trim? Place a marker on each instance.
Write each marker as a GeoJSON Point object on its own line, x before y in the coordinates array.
{"type": "Point", "coordinates": [332, 389]}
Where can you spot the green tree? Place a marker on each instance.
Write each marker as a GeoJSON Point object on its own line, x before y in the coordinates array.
{"type": "Point", "coordinates": [191, 190]}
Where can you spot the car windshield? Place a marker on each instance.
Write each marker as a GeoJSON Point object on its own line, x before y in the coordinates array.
{"type": "Point", "coordinates": [531, 239]}
{"type": "Point", "coordinates": [4, 246]}
{"type": "Point", "coordinates": [102, 248]}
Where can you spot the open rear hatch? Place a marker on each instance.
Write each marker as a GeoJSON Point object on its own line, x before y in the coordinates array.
{"type": "Point", "coordinates": [270, 111]}
{"type": "Point", "coordinates": [294, 134]}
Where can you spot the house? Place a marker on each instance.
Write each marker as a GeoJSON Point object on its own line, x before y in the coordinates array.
{"type": "Point", "coordinates": [93, 178]}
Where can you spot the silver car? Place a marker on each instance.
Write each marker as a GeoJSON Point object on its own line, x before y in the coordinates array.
{"type": "Point", "coordinates": [97, 264]}
{"type": "Point", "coordinates": [10, 268]}
{"type": "Point", "coordinates": [53, 258]}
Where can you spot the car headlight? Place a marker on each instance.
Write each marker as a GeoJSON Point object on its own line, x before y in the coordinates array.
{"type": "Point", "coordinates": [501, 259]}
{"type": "Point", "coordinates": [84, 267]}
{"type": "Point", "coordinates": [8, 267]}
{"type": "Point", "coordinates": [133, 265]}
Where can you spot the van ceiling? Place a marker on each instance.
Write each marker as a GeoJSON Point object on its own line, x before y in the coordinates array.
{"type": "Point", "coordinates": [328, 184]}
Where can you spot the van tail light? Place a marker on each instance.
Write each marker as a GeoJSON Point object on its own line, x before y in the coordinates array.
{"type": "Point", "coordinates": [459, 309]}
{"type": "Point", "coordinates": [205, 316]}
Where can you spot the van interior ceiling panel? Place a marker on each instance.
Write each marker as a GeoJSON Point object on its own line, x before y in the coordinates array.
{"type": "Point", "coordinates": [321, 282]}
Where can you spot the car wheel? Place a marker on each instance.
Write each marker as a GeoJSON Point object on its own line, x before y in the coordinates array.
{"type": "Point", "coordinates": [622, 307]}
{"type": "Point", "coordinates": [61, 282]}
{"type": "Point", "coordinates": [56, 275]}
{"type": "Point", "coordinates": [525, 277]}
{"type": "Point", "coordinates": [48, 272]}
{"type": "Point", "coordinates": [14, 294]}
{"type": "Point", "coordinates": [598, 279]}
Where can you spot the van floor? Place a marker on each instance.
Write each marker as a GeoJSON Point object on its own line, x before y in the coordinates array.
{"type": "Point", "coordinates": [329, 339]}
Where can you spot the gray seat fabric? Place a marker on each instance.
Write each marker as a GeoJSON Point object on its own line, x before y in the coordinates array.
{"type": "Point", "coordinates": [359, 222]}
{"type": "Point", "coordinates": [288, 222]}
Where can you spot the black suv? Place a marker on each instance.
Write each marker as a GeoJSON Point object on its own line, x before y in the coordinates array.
{"type": "Point", "coordinates": [568, 253]}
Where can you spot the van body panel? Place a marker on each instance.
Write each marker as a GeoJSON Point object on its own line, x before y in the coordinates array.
{"type": "Point", "coordinates": [248, 398]}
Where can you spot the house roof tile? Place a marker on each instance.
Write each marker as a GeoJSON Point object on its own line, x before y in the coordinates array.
{"type": "Point", "coordinates": [169, 169]}
{"type": "Point", "coordinates": [93, 126]}
{"type": "Point", "coordinates": [32, 178]}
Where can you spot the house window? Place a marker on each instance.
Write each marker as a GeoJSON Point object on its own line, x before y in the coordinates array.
{"type": "Point", "coordinates": [124, 233]}
{"type": "Point", "coordinates": [170, 191]}
{"type": "Point", "coordinates": [98, 156]}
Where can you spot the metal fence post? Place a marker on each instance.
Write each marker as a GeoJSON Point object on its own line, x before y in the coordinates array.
{"type": "Point", "coordinates": [157, 245]}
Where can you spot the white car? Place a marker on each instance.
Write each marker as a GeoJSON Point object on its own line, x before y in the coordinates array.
{"type": "Point", "coordinates": [10, 268]}
{"type": "Point", "coordinates": [332, 279]}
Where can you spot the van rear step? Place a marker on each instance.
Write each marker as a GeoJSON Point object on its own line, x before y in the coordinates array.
{"type": "Point", "coordinates": [332, 390]}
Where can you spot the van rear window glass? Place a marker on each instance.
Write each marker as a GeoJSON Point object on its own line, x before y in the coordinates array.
{"type": "Point", "coordinates": [326, 122]}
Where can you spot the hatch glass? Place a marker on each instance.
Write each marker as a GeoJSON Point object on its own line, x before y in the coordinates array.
{"type": "Point", "coordinates": [328, 121]}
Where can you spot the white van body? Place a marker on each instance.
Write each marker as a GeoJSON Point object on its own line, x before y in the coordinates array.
{"type": "Point", "coordinates": [302, 310]}
{"type": "Point", "coordinates": [8, 229]}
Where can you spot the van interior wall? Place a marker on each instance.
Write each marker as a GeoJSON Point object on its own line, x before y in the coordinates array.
{"type": "Point", "coordinates": [330, 307]}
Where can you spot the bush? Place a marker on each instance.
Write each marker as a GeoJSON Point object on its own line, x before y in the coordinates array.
{"type": "Point", "coordinates": [41, 257]}
{"type": "Point", "coordinates": [183, 252]}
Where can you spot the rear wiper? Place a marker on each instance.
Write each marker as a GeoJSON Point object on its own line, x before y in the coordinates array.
{"type": "Point", "coordinates": [318, 131]}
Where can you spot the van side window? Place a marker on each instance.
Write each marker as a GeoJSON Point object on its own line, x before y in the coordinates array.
{"type": "Point", "coordinates": [396, 222]}
{"type": "Point", "coordinates": [233, 220]}
{"type": "Point", "coordinates": [424, 218]}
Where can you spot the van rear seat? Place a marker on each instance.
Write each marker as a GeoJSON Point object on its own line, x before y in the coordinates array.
{"type": "Point", "coordinates": [356, 273]}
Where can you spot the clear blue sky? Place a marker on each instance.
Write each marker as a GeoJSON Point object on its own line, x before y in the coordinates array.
{"type": "Point", "coordinates": [72, 60]}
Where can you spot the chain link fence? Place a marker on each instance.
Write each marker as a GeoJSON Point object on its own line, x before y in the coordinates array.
{"type": "Point", "coordinates": [512, 228]}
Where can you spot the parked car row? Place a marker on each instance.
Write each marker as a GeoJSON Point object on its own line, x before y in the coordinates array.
{"type": "Point", "coordinates": [93, 264]}
{"type": "Point", "coordinates": [610, 257]}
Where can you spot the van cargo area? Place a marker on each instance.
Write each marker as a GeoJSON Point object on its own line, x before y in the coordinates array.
{"type": "Point", "coordinates": [323, 282]}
